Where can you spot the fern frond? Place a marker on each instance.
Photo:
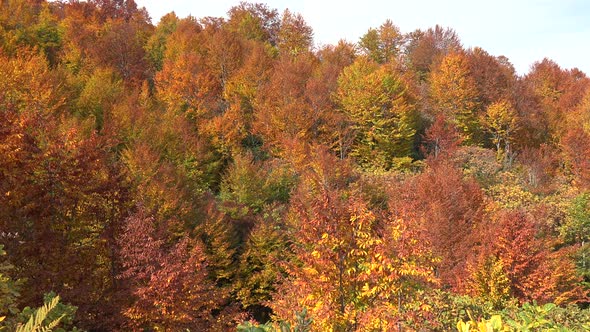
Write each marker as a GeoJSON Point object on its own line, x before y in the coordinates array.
{"type": "Point", "coordinates": [35, 322]}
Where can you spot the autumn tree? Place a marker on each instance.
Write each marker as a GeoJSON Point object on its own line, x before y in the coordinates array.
{"type": "Point", "coordinates": [494, 77]}
{"type": "Point", "coordinates": [534, 270]}
{"type": "Point", "coordinates": [351, 262]}
{"type": "Point", "coordinates": [384, 44]}
{"type": "Point", "coordinates": [234, 129]}
{"type": "Point", "coordinates": [255, 21]}
{"type": "Point", "coordinates": [426, 48]}
{"type": "Point", "coordinates": [186, 83]}
{"type": "Point", "coordinates": [501, 122]}
{"type": "Point", "coordinates": [449, 208]}
{"type": "Point", "coordinates": [453, 94]}
{"type": "Point", "coordinates": [441, 139]}
{"type": "Point", "coordinates": [333, 129]}
{"type": "Point", "coordinates": [575, 145]}
{"type": "Point", "coordinates": [558, 92]}
{"type": "Point", "coordinates": [156, 44]}
{"type": "Point", "coordinates": [282, 112]}
{"type": "Point", "coordinates": [294, 35]}
{"type": "Point", "coordinates": [381, 111]}
{"type": "Point", "coordinates": [171, 286]}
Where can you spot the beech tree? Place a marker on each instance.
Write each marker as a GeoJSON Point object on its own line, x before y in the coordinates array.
{"type": "Point", "coordinates": [381, 111]}
{"type": "Point", "coordinates": [384, 44]}
{"type": "Point", "coordinates": [454, 95]}
{"type": "Point", "coordinates": [171, 286]}
{"type": "Point", "coordinates": [502, 123]}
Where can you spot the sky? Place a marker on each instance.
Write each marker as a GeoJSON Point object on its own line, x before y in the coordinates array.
{"type": "Point", "coordinates": [525, 31]}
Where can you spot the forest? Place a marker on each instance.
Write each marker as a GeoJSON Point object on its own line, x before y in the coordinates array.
{"type": "Point", "coordinates": [227, 174]}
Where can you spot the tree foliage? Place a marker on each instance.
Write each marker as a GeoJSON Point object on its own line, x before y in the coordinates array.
{"type": "Point", "coordinates": [203, 171]}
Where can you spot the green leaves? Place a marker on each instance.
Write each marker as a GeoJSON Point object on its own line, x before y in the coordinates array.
{"type": "Point", "coordinates": [35, 322]}
{"type": "Point", "coordinates": [381, 111]}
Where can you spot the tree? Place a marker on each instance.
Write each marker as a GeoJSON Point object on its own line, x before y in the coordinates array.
{"type": "Point", "coordinates": [262, 263]}
{"type": "Point", "coordinates": [156, 44]}
{"type": "Point", "coordinates": [426, 48]}
{"type": "Point", "coordinates": [186, 83]}
{"type": "Point", "coordinates": [384, 44]}
{"type": "Point", "coordinates": [501, 122]}
{"type": "Point", "coordinates": [576, 147]}
{"type": "Point", "coordinates": [495, 77]}
{"type": "Point", "coordinates": [377, 103]}
{"type": "Point", "coordinates": [534, 270]}
{"type": "Point", "coordinates": [558, 92]}
{"type": "Point", "coordinates": [255, 21]}
{"type": "Point", "coordinates": [453, 94]}
{"type": "Point", "coordinates": [575, 231]}
{"type": "Point", "coordinates": [294, 35]}
{"type": "Point", "coordinates": [489, 281]}
{"type": "Point", "coordinates": [441, 139]}
{"type": "Point", "coordinates": [282, 113]}
{"type": "Point", "coordinates": [449, 209]}
{"type": "Point", "coordinates": [171, 286]}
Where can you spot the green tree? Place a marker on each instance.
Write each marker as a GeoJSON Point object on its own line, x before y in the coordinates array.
{"type": "Point", "coordinates": [381, 110]}
{"type": "Point", "coordinates": [384, 44]}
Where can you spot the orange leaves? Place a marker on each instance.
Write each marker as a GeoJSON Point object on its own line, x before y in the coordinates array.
{"type": "Point", "coordinates": [351, 260]}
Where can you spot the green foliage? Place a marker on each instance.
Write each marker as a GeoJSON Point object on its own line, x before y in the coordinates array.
{"type": "Point", "coordinates": [253, 184]}
{"type": "Point", "coordinates": [302, 324]}
{"type": "Point", "coordinates": [59, 314]}
{"type": "Point", "coordinates": [39, 320]}
{"type": "Point", "coordinates": [100, 91]}
{"type": "Point", "coordinates": [530, 317]}
{"type": "Point", "coordinates": [576, 231]}
{"type": "Point", "coordinates": [9, 288]}
{"type": "Point", "coordinates": [384, 44]}
{"type": "Point", "coordinates": [260, 263]}
{"type": "Point", "coordinates": [156, 44]}
{"type": "Point", "coordinates": [439, 310]}
{"type": "Point", "coordinates": [47, 317]}
{"type": "Point", "coordinates": [483, 325]}
{"type": "Point", "coordinates": [381, 111]}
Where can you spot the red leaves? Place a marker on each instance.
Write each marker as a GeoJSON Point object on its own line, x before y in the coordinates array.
{"type": "Point", "coordinates": [169, 280]}
{"type": "Point", "coordinates": [536, 272]}
{"type": "Point", "coordinates": [576, 145]}
{"type": "Point", "coordinates": [449, 209]}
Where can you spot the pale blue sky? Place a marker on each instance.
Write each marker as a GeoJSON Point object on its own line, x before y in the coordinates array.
{"type": "Point", "coordinates": [524, 31]}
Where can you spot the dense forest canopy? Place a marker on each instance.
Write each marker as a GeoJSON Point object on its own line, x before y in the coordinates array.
{"type": "Point", "coordinates": [205, 173]}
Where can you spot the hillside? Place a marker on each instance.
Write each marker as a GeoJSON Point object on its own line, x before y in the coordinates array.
{"type": "Point", "coordinates": [203, 173]}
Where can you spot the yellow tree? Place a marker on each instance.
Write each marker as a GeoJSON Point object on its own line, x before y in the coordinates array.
{"type": "Point", "coordinates": [453, 93]}
{"type": "Point", "coordinates": [501, 122]}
